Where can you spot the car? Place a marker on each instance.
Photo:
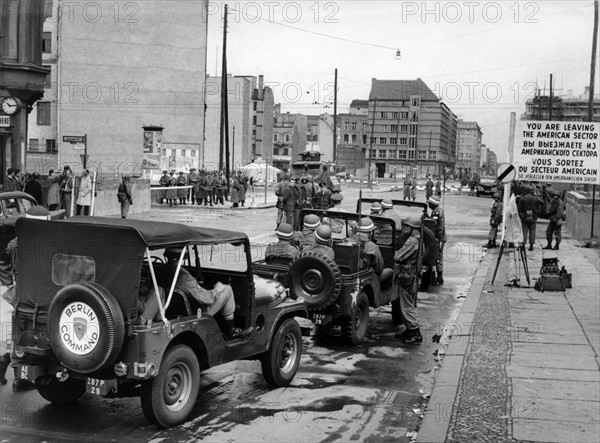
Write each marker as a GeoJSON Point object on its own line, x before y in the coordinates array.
{"type": "Point", "coordinates": [75, 325]}
{"type": "Point", "coordinates": [486, 186]}
{"type": "Point", "coordinates": [339, 291]}
{"type": "Point", "coordinates": [14, 205]}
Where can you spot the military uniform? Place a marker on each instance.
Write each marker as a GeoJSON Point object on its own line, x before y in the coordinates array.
{"type": "Point", "coordinates": [194, 181]}
{"type": "Point", "coordinates": [428, 188]}
{"type": "Point", "coordinates": [304, 238]}
{"type": "Point", "coordinates": [529, 208]}
{"type": "Point", "coordinates": [440, 235]}
{"type": "Point", "coordinates": [209, 187]}
{"type": "Point", "coordinates": [406, 188]}
{"type": "Point", "coordinates": [327, 251]}
{"type": "Point", "coordinates": [283, 248]}
{"type": "Point", "coordinates": [407, 280]}
{"type": "Point", "coordinates": [182, 193]}
{"type": "Point", "coordinates": [556, 215]}
{"type": "Point", "coordinates": [220, 189]}
{"type": "Point", "coordinates": [322, 198]}
{"type": "Point", "coordinates": [495, 221]}
{"type": "Point", "coordinates": [371, 256]}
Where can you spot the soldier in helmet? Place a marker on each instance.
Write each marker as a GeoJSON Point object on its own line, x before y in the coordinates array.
{"type": "Point", "coordinates": [407, 268]}
{"type": "Point", "coordinates": [529, 207]}
{"type": "Point", "coordinates": [437, 214]}
{"type": "Point", "coordinates": [284, 247]}
{"type": "Point", "coordinates": [388, 211]}
{"type": "Point", "coordinates": [557, 216]}
{"type": "Point", "coordinates": [495, 221]}
{"type": "Point", "coordinates": [306, 236]}
{"type": "Point", "coordinates": [323, 242]}
{"type": "Point", "coordinates": [371, 257]}
{"type": "Point", "coordinates": [376, 208]}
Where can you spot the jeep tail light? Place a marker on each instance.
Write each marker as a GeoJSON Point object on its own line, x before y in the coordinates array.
{"type": "Point", "coordinates": [143, 370]}
{"type": "Point", "coordinates": [121, 369]}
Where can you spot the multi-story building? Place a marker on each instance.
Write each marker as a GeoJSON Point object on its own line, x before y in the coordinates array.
{"type": "Point", "coordinates": [137, 93]}
{"type": "Point", "coordinates": [250, 115]}
{"type": "Point", "coordinates": [22, 76]}
{"type": "Point", "coordinates": [413, 131]}
{"type": "Point", "coordinates": [354, 133]}
{"type": "Point", "coordinates": [492, 161]}
{"type": "Point", "coordinates": [469, 148]}
{"type": "Point", "coordinates": [290, 133]}
{"type": "Point", "coordinates": [568, 108]}
{"type": "Point", "coordinates": [319, 135]}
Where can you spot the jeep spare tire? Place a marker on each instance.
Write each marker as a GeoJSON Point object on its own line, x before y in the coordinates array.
{"type": "Point", "coordinates": [316, 278]}
{"type": "Point", "coordinates": [85, 327]}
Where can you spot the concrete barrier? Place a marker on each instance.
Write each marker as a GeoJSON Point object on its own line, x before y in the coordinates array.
{"type": "Point", "coordinates": [579, 214]}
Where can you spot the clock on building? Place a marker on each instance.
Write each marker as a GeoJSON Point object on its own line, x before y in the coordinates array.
{"type": "Point", "coordinates": [11, 105]}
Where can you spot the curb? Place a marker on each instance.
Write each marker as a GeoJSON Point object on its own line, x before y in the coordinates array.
{"type": "Point", "coordinates": [218, 208]}
{"type": "Point", "coordinates": [436, 421]}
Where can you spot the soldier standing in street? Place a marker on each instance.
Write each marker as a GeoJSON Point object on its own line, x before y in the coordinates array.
{"type": "Point", "coordinates": [164, 182]}
{"type": "Point", "coordinates": [283, 248]}
{"type": "Point", "coordinates": [413, 189]}
{"type": "Point", "coordinates": [428, 188]}
{"type": "Point", "coordinates": [557, 216]}
{"type": "Point", "coordinates": [171, 192]}
{"type": "Point", "coordinates": [220, 188]}
{"type": "Point", "coordinates": [280, 190]}
{"type": "Point", "coordinates": [406, 271]}
{"type": "Point", "coordinates": [529, 207]}
{"type": "Point", "coordinates": [406, 188]}
{"type": "Point", "coordinates": [438, 187]}
{"type": "Point", "coordinates": [437, 214]}
{"type": "Point", "coordinates": [194, 181]}
{"type": "Point", "coordinates": [495, 221]}
{"type": "Point", "coordinates": [243, 187]}
{"type": "Point", "coordinates": [209, 188]}
{"type": "Point", "coordinates": [182, 193]}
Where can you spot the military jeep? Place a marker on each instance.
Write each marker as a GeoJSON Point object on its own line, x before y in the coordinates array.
{"type": "Point", "coordinates": [76, 323]}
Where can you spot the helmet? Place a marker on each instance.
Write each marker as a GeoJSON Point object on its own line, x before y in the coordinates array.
{"type": "Point", "coordinates": [375, 208]}
{"type": "Point", "coordinates": [434, 200]}
{"type": "Point", "coordinates": [337, 197]}
{"type": "Point", "coordinates": [311, 221]}
{"type": "Point", "coordinates": [38, 212]}
{"type": "Point", "coordinates": [284, 231]}
{"type": "Point", "coordinates": [413, 221]}
{"type": "Point", "coordinates": [387, 204]}
{"type": "Point", "coordinates": [496, 195]}
{"type": "Point", "coordinates": [323, 235]}
{"type": "Point", "coordinates": [366, 225]}
{"type": "Point", "coordinates": [554, 192]}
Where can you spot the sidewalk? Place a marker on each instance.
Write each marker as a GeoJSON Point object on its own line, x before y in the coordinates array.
{"type": "Point", "coordinates": [521, 365]}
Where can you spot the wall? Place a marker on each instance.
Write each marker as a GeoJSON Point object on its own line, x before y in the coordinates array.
{"type": "Point", "coordinates": [579, 215]}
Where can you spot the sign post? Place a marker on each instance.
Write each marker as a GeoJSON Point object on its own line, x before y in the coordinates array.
{"type": "Point", "coordinates": [78, 142]}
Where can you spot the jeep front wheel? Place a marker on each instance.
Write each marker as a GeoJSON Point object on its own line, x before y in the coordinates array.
{"type": "Point", "coordinates": [57, 392]}
{"type": "Point", "coordinates": [281, 361]}
{"type": "Point", "coordinates": [354, 327]}
{"type": "Point", "coordinates": [168, 399]}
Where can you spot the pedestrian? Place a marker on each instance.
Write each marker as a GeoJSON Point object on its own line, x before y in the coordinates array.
{"type": "Point", "coordinates": [413, 189]}
{"type": "Point", "coordinates": [495, 221]}
{"type": "Point", "coordinates": [53, 190]}
{"type": "Point", "coordinates": [298, 203]}
{"type": "Point", "coordinates": [235, 192]}
{"type": "Point", "coordinates": [557, 216]}
{"type": "Point", "coordinates": [322, 198]}
{"type": "Point", "coordinates": [472, 184]}
{"type": "Point", "coordinates": [182, 191]}
{"type": "Point", "coordinates": [529, 207]}
{"type": "Point", "coordinates": [322, 243]}
{"type": "Point", "coordinates": [12, 182]}
{"type": "Point", "coordinates": [438, 215]}
{"type": "Point", "coordinates": [165, 182]}
{"type": "Point", "coordinates": [34, 188]}
{"type": "Point", "coordinates": [438, 187]}
{"type": "Point", "coordinates": [283, 248]}
{"type": "Point", "coordinates": [406, 275]}
{"type": "Point", "coordinates": [66, 190]}
{"type": "Point", "coordinates": [428, 188]}
{"type": "Point", "coordinates": [124, 195]}
{"type": "Point", "coordinates": [243, 187]}
{"type": "Point", "coordinates": [371, 257]}
{"type": "Point", "coordinates": [84, 194]}
{"type": "Point", "coordinates": [406, 187]}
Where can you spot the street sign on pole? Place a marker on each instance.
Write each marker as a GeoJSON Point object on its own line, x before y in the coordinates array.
{"type": "Point", "coordinates": [74, 139]}
{"type": "Point", "coordinates": [79, 146]}
{"type": "Point", "coordinates": [506, 173]}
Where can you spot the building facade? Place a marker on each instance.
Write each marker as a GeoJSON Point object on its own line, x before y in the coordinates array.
{"type": "Point", "coordinates": [413, 132]}
{"type": "Point", "coordinates": [290, 133]}
{"type": "Point", "coordinates": [144, 72]}
{"type": "Point", "coordinates": [469, 148]}
{"type": "Point", "coordinates": [354, 134]}
{"type": "Point", "coordinates": [568, 108]}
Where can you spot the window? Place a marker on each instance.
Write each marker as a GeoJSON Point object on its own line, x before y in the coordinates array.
{"type": "Point", "coordinates": [404, 115]}
{"type": "Point", "coordinates": [422, 155]}
{"type": "Point", "coordinates": [354, 126]}
{"type": "Point", "coordinates": [47, 42]}
{"type": "Point", "coordinates": [173, 152]}
{"type": "Point", "coordinates": [33, 145]}
{"type": "Point", "coordinates": [353, 139]}
{"type": "Point", "coordinates": [254, 132]}
{"type": "Point", "coordinates": [382, 141]}
{"type": "Point", "coordinates": [415, 102]}
{"type": "Point", "coordinates": [254, 105]}
{"type": "Point", "coordinates": [365, 126]}
{"type": "Point", "coordinates": [43, 113]}
{"type": "Point", "coordinates": [364, 139]}
{"type": "Point", "coordinates": [275, 137]}
{"type": "Point", "coordinates": [403, 141]}
{"type": "Point", "coordinates": [346, 138]}
{"type": "Point", "coordinates": [412, 142]}
{"type": "Point", "coordinates": [192, 152]}
{"type": "Point", "coordinates": [413, 129]}
{"type": "Point", "coordinates": [382, 153]}
{"type": "Point", "coordinates": [286, 151]}
{"type": "Point", "coordinates": [372, 139]}
{"type": "Point", "coordinates": [254, 120]}
{"type": "Point", "coordinates": [51, 146]}
{"type": "Point", "coordinates": [403, 128]}
{"type": "Point", "coordinates": [287, 138]}
{"type": "Point", "coordinates": [411, 155]}
{"type": "Point", "coordinates": [346, 126]}
{"type": "Point", "coordinates": [393, 141]}
{"type": "Point", "coordinates": [183, 153]}
{"type": "Point", "coordinates": [68, 269]}
{"type": "Point", "coordinates": [433, 155]}
{"type": "Point", "coordinates": [275, 151]}
{"type": "Point", "coordinates": [402, 155]}
{"type": "Point", "coordinates": [394, 114]}
{"type": "Point", "coordinates": [393, 128]}
{"type": "Point", "coordinates": [384, 115]}
{"type": "Point", "coordinates": [414, 116]}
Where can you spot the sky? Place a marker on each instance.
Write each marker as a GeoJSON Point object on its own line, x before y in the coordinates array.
{"type": "Point", "coordinates": [483, 59]}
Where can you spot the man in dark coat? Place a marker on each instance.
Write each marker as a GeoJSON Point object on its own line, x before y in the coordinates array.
{"type": "Point", "coordinates": [529, 207]}
{"type": "Point", "coordinates": [34, 188]}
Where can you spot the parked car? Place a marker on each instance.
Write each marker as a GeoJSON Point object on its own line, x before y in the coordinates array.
{"type": "Point", "coordinates": [13, 206]}
{"type": "Point", "coordinates": [75, 326]}
{"type": "Point", "coordinates": [486, 186]}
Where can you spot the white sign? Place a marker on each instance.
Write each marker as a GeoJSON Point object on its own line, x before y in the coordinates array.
{"type": "Point", "coordinates": [79, 146]}
{"type": "Point", "coordinates": [567, 152]}
{"type": "Point", "coordinates": [4, 121]}
{"type": "Point", "coordinates": [506, 173]}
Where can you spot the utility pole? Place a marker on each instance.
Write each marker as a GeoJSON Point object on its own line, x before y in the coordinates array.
{"type": "Point", "coordinates": [224, 136]}
{"type": "Point", "coordinates": [591, 98]}
{"type": "Point", "coordinates": [233, 150]}
{"type": "Point", "coordinates": [551, 101]}
{"type": "Point", "coordinates": [397, 139]}
{"type": "Point", "coordinates": [335, 89]}
{"type": "Point", "coordinates": [371, 144]}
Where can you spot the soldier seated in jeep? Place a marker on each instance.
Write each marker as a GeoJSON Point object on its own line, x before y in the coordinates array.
{"type": "Point", "coordinates": [371, 255]}
{"type": "Point", "coordinates": [322, 243]}
{"type": "Point", "coordinates": [283, 249]}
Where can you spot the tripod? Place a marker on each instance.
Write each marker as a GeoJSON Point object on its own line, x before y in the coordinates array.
{"type": "Point", "coordinates": [520, 249]}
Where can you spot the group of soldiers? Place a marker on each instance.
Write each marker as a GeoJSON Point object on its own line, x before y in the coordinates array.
{"type": "Point", "coordinates": [531, 206]}
{"type": "Point", "coordinates": [409, 187]}
{"type": "Point", "coordinates": [207, 187]}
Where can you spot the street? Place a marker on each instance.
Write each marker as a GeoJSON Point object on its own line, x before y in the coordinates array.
{"type": "Point", "coordinates": [342, 393]}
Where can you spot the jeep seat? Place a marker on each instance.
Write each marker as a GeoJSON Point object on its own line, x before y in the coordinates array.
{"type": "Point", "coordinates": [386, 278]}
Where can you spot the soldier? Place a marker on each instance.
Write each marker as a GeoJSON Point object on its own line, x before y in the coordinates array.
{"type": "Point", "coordinates": [338, 227]}
{"type": "Point", "coordinates": [281, 192]}
{"type": "Point", "coordinates": [371, 256]}
{"type": "Point", "coordinates": [164, 181]}
{"type": "Point", "coordinates": [323, 242]}
{"type": "Point", "coordinates": [407, 268]}
{"type": "Point", "coordinates": [182, 193]}
{"type": "Point", "coordinates": [220, 188]}
{"type": "Point", "coordinates": [529, 207]}
{"type": "Point", "coordinates": [557, 216]}
{"type": "Point", "coordinates": [194, 181]}
{"type": "Point", "coordinates": [406, 187]}
{"type": "Point", "coordinates": [296, 197]}
{"type": "Point", "coordinates": [322, 198]}
{"type": "Point", "coordinates": [243, 186]}
{"type": "Point", "coordinates": [388, 211]}
{"type": "Point", "coordinates": [428, 188]}
{"type": "Point", "coordinates": [438, 187]}
{"type": "Point", "coordinates": [376, 208]}
{"type": "Point", "coordinates": [171, 194]}
{"type": "Point", "coordinates": [495, 221]}
{"type": "Point", "coordinates": [306, 236]}
{"type": "Point", "coordinates": [437, 214]}
{"type": "Point", "coordinates": [284, 247]}
{"type": "Point", "coordinates": [413, 189]}
{"type": "Point", "coordinates": [307, 189]}
{"type": "Point", "coordinates": [209, 188]}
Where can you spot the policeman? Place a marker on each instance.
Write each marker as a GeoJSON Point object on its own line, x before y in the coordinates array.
{"type": "Point", "coordinates": [194, 180]}
{"type": "Point", "coordinates": [220, 188]}
{"type": "Point", "coordinates": [529, 207]}
{"type": "Point", "coordinates": [407, 268]}
{"type": "Point", "coordinates": [557, 216]}
{"type": "Point", "coordinates": [283, 248]}
{"type": "Point", "coordinates": [371, 257]}
{"type": "Point", "coordinates": [209, 187]}
{"type": "Point", "coordinates": [495, 221]}
{"type": "Point", "coordinates": [323, 242]}
{"type": "Point", "coordinates": [165, 181]}
{"type": "Point", "coordinates": [306, 236]}
{"type": "Point", "coordinates": [437, 214]}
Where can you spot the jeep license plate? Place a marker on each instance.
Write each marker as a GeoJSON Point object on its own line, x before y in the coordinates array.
{"type": "Point", "coordinates": [321, 319]}
{"type": "Point", "coordinates": [96, 386]}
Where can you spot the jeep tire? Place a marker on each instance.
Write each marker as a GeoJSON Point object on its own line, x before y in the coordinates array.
{"type": "Point", "coordinates": [316, 278]}
{"type": "Point", "coordinates": [280, 363]}
{"type": "Point", "coordinates": [354, 328]}
{"type": "Point", "coordinates": [57, 392]}
{"type": "Point", "coordinates": [85, 327]}
{"type": "Point", "coordinates": [168, 398]}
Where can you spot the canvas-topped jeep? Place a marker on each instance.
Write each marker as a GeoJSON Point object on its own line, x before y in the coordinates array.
{"type": "Point", "coordinates": [76, 326]}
